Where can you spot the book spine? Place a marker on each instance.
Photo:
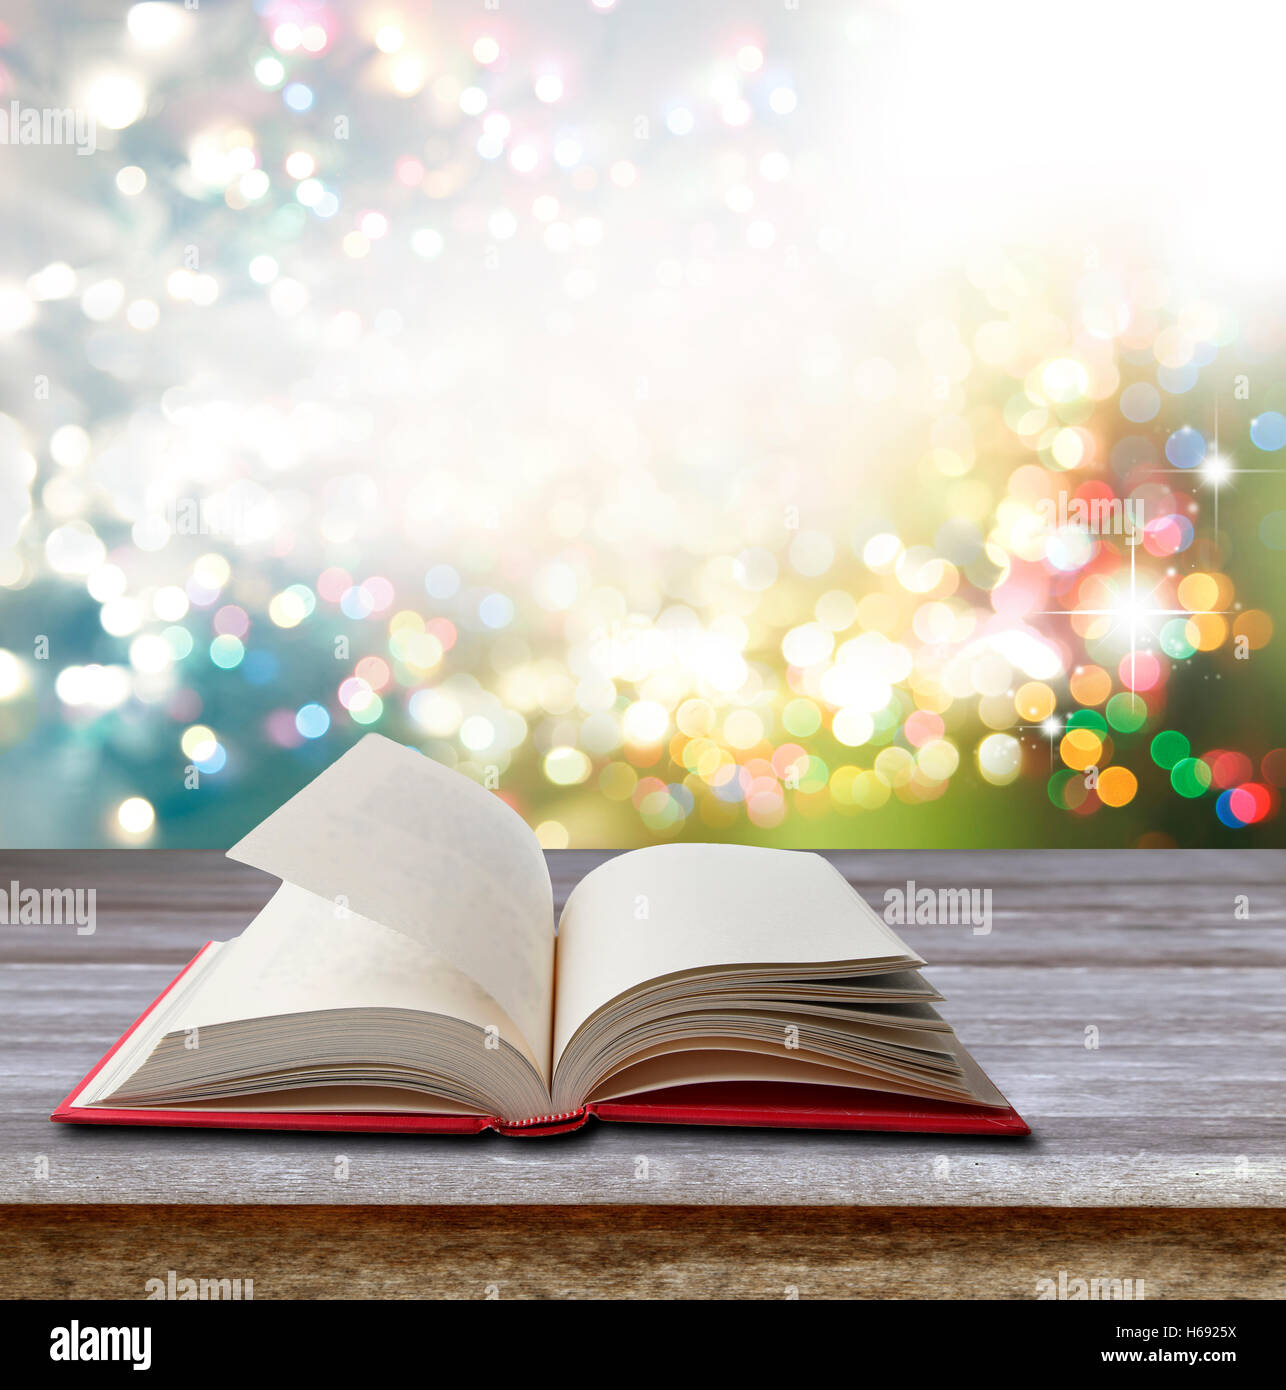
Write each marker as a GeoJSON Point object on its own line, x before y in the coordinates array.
{"type": "Point", "coordinates": [559, 1123]}
{"type": "Point", "coordinates": [543, 1119]}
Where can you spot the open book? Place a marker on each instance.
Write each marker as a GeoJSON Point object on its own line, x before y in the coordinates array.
{"type": "Point", "coordinates": [408, 969]}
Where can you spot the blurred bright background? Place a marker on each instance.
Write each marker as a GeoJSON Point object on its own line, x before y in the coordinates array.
{"type": "Point", "coordinates": [680, 417]}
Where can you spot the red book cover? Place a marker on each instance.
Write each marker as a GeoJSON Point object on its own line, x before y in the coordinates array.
{"type": "Point", "coordinates": [748, 1104]}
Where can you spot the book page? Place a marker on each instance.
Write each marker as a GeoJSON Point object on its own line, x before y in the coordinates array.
{"type": "Point", "coordinates": [705, 1063]}
{"type": "Point", "coordinates": [300, 955]}
{"type": "Point", "coordinates": [390, 835]}
{"type": "Point", "coordinates": [671, 908]}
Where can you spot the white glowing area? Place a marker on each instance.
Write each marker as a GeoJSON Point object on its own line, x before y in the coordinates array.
{"type": "Point", "coordinates": [1217, 469]}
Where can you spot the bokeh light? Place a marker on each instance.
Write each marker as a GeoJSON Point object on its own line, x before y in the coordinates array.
{"type": "Point", "coordinates": [685, 476]}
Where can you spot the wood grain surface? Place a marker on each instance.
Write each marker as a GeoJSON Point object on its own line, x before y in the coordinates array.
{"type": "Point", "coordinates": [637, 1252]}
{"type": "Point", "coordinates": [1144, 1146]}
{"type": "Point", "coordinates": [1179, 1105]}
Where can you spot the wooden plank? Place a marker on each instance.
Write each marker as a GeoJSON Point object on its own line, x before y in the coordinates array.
{"type": "Point", "coordinates": [1178, 1105]}
{"type": "Point", "coordinates": [1065, 907]}
{"type": "Point", "coordinates": [716, 1167]}
{"type": "Point", "coordinates": [639, 1252]}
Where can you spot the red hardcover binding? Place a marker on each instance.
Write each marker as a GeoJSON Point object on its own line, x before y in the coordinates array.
{"type": "Point", "coordinates": [750, 1104]}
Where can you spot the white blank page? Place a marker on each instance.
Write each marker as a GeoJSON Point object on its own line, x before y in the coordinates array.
{"type": "Point", "coordinates": [669, 908]}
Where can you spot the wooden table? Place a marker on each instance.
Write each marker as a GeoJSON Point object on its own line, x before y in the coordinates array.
{"type": "Point", "coordinates": [1156, 1155]}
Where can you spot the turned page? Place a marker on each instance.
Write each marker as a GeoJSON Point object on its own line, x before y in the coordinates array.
{"type": "Point", "coordinates": [301, 955]}
{"type": "Point", "coordinates": [673, 908]}
{"type": "Point", "coordinates": [390, 835]}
